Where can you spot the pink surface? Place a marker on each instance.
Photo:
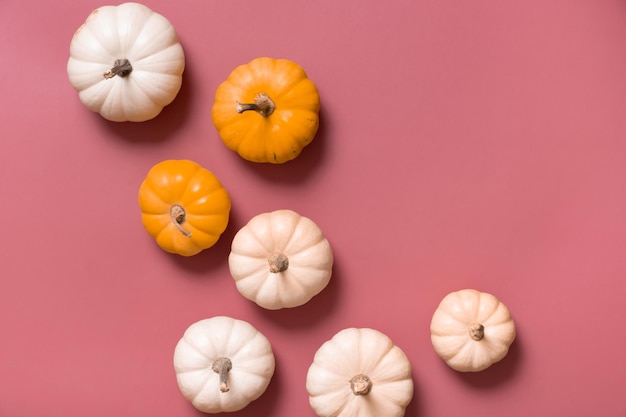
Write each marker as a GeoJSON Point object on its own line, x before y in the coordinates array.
{"type": "Point", "coordinates": [463, 144]}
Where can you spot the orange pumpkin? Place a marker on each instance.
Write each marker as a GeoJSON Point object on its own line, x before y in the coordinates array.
{"type": "Point", "coordinates": [184, 207]}
{"type": "Point", "coordinates": [267, 110]}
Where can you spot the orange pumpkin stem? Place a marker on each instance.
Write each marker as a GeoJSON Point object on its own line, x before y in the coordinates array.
{"type": "Point", "coordinates": [121, 67]}
{"type": "Point", "coordinates": [361, 384]}
{"type": "Point", "coordinates": [278, 262]}
{"type": "Point", "coordinates": [477, 331]}
{"type": "Point", "coordinates": [222, 366]}
{"type": "Point", "coordinates": [263, 105]}
{"type": "Point", "coordinates": [178, 214]}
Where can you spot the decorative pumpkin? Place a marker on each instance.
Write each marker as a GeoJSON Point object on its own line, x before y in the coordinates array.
{"type": "Point", "coordinates": [126, 62]}
{"type": "Point", "coordinates": [267, 110]}
{"type": "Point", "coordinates": [471, 330]}
{"type": "Point", "coordinates": [184, 207]}
{"type": "Point", "coordinates": [280, 259]}
{"type": "Point", "coordinates": [359, 372]}
{"type": "Point", "coordinates": [223, 364]}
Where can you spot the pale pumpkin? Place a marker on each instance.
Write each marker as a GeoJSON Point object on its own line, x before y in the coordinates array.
{"type": "Point", "coordinates": [280, 259]}
{"type": "Point", "coordinates": [222, 364]}
{"type": "Point", "coordinates": [471, 330]}
{"type": "Point", "coordinates": [267, 110]}
{"type": "Point", "coordinates": [184, 206]}
{"type": "Point", "coordinates": [359, 372]}
{"type": "Point", "coordinates": [126, 62]}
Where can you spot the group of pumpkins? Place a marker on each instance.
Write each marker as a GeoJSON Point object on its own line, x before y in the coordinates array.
{"type": "Point", "coordinates": [126, 63]}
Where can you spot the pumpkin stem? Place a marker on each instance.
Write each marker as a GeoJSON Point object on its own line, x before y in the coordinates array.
{"type": "Point", "coordinates": [477, 331]}
{"type": "Point", "coordinates": [177, 214]}
{"type": "Point", "coordinates": [278, 262]}
{"type": "Point", "coordinates": [222, 366]}
{"type": "Point", "coordinates": [263, 105]}
{"type": "Point", "coordinates": [361, 384]}
{"type": "Point", "coordinates": [121, 67]}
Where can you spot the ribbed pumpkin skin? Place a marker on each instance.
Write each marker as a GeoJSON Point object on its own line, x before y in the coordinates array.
{"type": "Point", "coordinates": [451, 330]}
{"type": "Point", "coordinates": [281, 136]}
{"type": "Point", "coordinates": [353, 352]}
{"type": "Point", "coordinates": [300, 240]}
{"type": "Point", "coordinates": [148, 41]}
{"type": "Point", "coordinates": [249, 351]}
{"type": "Point", "coordinates": [187, 185]}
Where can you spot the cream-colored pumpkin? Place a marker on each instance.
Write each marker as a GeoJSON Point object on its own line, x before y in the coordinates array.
{"type": "Point", "coordinates": [471, 330]}
{"type": "Point", "coordinates": [126, 62]}
{"type": "Point", "coordinates": [359, 373]}
{"type": "Point", "coordinates": [222, 364]}
{"type": "Point", "coordinates": [280, 259]}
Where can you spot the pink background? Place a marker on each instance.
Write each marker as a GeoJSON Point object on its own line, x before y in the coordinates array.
{"type": "Point", "coordinates": [463, 144]}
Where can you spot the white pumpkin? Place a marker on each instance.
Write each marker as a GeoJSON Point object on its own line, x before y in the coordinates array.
{"type": "Point", "coordinates": [280, 259]}
{"type": "Point", "coordinates": [359, 373]}
{"type": "Point", "coordinates": [126, 62]}
{"type": "Point", "coordinates": [222, 364]}
{"type": "Point", "coordinates": [471, 330]}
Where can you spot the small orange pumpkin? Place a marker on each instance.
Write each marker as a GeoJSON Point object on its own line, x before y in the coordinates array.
{"type": "Point", "coordinates": [267, 110]}
{"type": "Point", "coordinates": [184, 207]}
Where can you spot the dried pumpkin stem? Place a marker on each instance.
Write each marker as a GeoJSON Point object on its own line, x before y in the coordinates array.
{"type": "Point", "coordinates": [222, 366]}
{"type": "Point", "coordinates": [361, 384]}
{"type": "Point", "coordinates": [178, 215]}
{"type": "Point", "coordinates": [263, 105]}
{"type": "Point", "coordinates": [121, 67]}
{"type": "Point", "coordinates": [477, 331]}
{"type": "Point", "coordinates": [278, 262]}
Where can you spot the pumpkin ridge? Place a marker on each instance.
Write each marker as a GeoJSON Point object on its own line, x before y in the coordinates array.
{"type": "Point", "coordinates": [499, 316]}
{"type": "Point", "coordinates": [331, 399]}
{"type": "Point", "coordinates": [158, 191]}
{"type": "Point", "coordinates": [147, 48]}
{"type": "Point", "coordinates": [146, 99]}
{"type": "Point", "coordinates": [487, 300]}
{"type": "Point", "coordinates": [155, 92]}
{"type": "Point", "coordinates": [292, 233]}
{"type": "Point", "coordinates": [195, 348]}
{"type": "Point", "coordinates": [294, 74]}
{"type": "Point", "coordinates": [151, 202]}
{"type": "Point", "coordinates": [245, 137]}
{"type": "Point", "coordinates": [378, 360]}
{"type": "Point", "coordinates": [227, 329]}
{"type": "Point", "coordinates": [210, 205]}
{"type": "Point", "coordinates": [277, 218]}
{"type": "Point", "coordinates": [196, 222]}
{"type": "Point", "coordinates": [298, 289]}
{"type": "Point", "coordinates": [227, 340]}
{"type": "Point", "coordinates": [196, 231]}
{"type": "Point", "coordinates": [314, 249]}
{"type": "Point", "coordinates": [467, 349]}
{"type": "Point", "coordinates": [106, 16]}
{"type": "Point", "coordinates": [154, 64]}
{"type": "Point", "coordinates": [257, 273]}
{"type": "Point", "coordinates": [293, 98]}
{"type": "Point", "coordinates": [112, 100]}
{"type": "Point", "coordinates": [262, 241]}
{"type": "Point", "coordinates": [188, 183]}
{"type": "Point", "coordinates": [85, 81]}
{"type": "Point", "coordinates": [191, 391]}
{"type": "Point", "coordinates": [118, 22]}
{"type": "Point", "coordinates": [302, 131]}
{"type": "Point", "coordinates": [393, 353]}
{"type": "Point", "coordinates": [251, 284]}
{"type": "Point", "coordinates": [103, 56]}
{"type": "Point", "coordinates": [121, 25]}
{"type": "Point", "coordinates": [195, 178]}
